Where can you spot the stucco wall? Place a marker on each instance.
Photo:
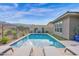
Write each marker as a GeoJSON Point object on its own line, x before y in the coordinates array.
{"type": "Point", "coordinates": [65, 30]}
{"type": "Point", "coordinates": [39, 28]}
{"type": "Point", "coordinates": [66, 26]}
{"type": "Point", "coordinates": [50, 28]}
{"type": "Point", "coordinates": [74, 21]}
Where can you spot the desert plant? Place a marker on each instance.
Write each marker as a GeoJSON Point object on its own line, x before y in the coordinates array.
{"type": "Point", "coordinates": [9, 32]}
{"type": "Point", "coordinates": [4, 40]}
{"type": "Point", "coordinates": [23, 29]}
{"type": "Point", "coordinates": [14, 34]}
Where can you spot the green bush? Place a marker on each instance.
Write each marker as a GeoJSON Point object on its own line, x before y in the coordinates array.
{"type": "Point", "coordinates": [14, 32]}
{"type": "Point", "coordinates": [5, 40]}
{"type": "Point", "coordinates": [11, 32]}
{"type": "Point", "coordinates": [8, 32]}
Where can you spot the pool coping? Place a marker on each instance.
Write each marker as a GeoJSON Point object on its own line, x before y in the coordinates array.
{"type": "Point", "coordinates": [50, 36]}
{"type": "Point", "coordinates": [56, 39]}
{"type": "Point", "coordinates": [17, 40]}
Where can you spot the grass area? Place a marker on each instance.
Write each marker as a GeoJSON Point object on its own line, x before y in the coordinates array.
{"type": "Point", "coordinates": [59, 38]}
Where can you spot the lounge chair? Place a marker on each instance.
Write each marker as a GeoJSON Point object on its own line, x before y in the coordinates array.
{"type": "Point", "coordinates": [37, 51]}
{"type": "Point", "coordinates": [52, 51]}
{"type": "Point", "coordinates": [73, 49]}
{"type": "Point", "coordinates": [4, 49]}
{"type": "Point", "coordinates": [22, 51]}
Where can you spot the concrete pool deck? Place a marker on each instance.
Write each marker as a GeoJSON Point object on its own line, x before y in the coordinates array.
{"type": "Point", "coordinates": [35, 51]}
{"type": "Point", "coordinates": [22, 52]}
{"type": "Point", "coordinates": [69, 43]}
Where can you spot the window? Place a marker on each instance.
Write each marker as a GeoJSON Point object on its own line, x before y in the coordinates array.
{"type": "Point", "coordinates": [58, 26]}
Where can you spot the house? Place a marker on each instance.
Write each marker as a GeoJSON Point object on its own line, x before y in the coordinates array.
{"type": "Point", "coordinates": [50, 27]}
{"type": "Point", "coordinates": [64, 26]}
{"type": "Point", "coordinates": [38, 28]}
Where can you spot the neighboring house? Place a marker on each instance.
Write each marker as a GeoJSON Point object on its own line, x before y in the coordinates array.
{"type": "Point", "coordinates": [38, 28]}
{"type": "Point", "coordinates": [65, 24]}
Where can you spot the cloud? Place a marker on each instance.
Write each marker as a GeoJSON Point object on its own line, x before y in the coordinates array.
{"type": "Point", "coordinates": [74, 9]}
{"type": "Point", "coordinates": [12, 14]}
{"type": "Point", "coordinates": [6, 8]}
{"type": "Point", "coordinates": [36, 11]}
{"type": "Point", "coordinates": [16, 5]}
{"type": "Point", "coordinates": [7, 12]}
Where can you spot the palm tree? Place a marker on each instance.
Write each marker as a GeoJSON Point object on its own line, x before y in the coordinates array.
{"type": "Point", "coordinates": [2, 30]}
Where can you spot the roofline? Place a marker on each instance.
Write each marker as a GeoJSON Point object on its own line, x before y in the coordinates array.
{"type": "Point", "coordinates": [63, 15]}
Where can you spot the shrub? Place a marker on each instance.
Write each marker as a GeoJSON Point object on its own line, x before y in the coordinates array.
{"type": "Point", "coordinates": [7, 33]}
{"type": "Point", "coordinates": [11, 32]}
{"type": "Point", "coordinates": [5, 40]}
{"type": "Point", "coordinates": [14, 34]}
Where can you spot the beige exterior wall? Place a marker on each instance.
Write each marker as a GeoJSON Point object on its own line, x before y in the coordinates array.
{"type": "Point", "coordinates": [50, 28]}
{"type": "Point", "coordinates": [32, 28]}
{"type": "Point", "coordinates": [65, 30]}
{"type": "Point", "coordinates": [69, 24]}
{"type": "Point", "coordinates": [74, 21]}
{"type": "Point", "coordinates": [66, 26]}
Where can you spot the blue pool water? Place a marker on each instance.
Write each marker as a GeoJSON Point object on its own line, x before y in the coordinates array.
{"type": "Point", "coordinates": [39, 38]}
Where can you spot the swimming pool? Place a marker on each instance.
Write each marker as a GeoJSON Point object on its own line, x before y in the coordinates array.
{"type": "Point", "coordinates": [39, 40]}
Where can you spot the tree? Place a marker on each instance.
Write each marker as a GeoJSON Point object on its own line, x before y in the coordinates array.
{"type": "Point", "coordinates": [2, 30]}
{"type": "Point", "coordinates": [11, 32]}
{"type": "Point", "coordinates": [27, 29]}
{"type": "Point", "coordinates": [8, 32]}
{"type": "Point", "coordinates": [14, 34]}
{"type": "Point", "coordinates": [23, 30]}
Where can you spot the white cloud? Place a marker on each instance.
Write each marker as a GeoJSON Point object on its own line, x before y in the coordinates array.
{"type": "Point", "coordinates": [16, 5]}
{"type": "Point", "coordinates": [74, 9]}
{"type": "Point", "coordinates": [10, 13]}
{"type": "Point", "coordinates": [36, 11]}
{"type": "Point", "coordinates": [6, 8]}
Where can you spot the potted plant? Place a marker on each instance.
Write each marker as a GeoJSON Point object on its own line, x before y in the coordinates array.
{"type": "Point", "coordinates": [76, 36]}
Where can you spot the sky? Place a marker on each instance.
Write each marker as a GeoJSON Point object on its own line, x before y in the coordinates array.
{"type": "Point", "coordinates": [34, 13]}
